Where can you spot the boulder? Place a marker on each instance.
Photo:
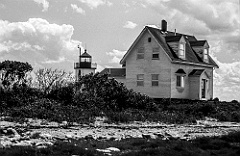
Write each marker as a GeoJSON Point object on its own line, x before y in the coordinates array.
{"type": "Point", "coordinates": [103, 150]}
{"type": "Point", "coordinates": [45, 136]}
{"type": "Point", "coordinates": [43, 144]}
{"type": "Point", "coordinates": [12, 131]}
{"type": "Point", "coordinates": [113, 149]}
{"type": "Point", "coordinates": [146, 136]}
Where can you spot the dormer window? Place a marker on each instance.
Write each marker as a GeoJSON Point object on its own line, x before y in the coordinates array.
{"type": "Point", "coordinates": [181, 51]}
{"type": "Point", "coordinates": [205, 55]}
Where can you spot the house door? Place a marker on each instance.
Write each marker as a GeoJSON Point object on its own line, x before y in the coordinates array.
{"type": "Point", "coordinates": [203, 88]}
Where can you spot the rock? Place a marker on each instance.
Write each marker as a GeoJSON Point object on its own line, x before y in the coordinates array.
{"type": "Point", "coordinates": [23, 143]}
{"type": "Point", "coordinates": [60, 137]}
{"type": "Point", "coordinates": [45, 136]}
{"type": "Point", "coordinates": [89, 137]}
{"type": "Point", "coordinates": [5, 144]}
{"type": "Point", "coordinates": [69, 136]}
{"type": "Point", "coordinates": [103, 150]}
{"type": "Point", "coordinates": [113, 149]}
{"type": "Point", "coordinates": [43, 144]}
{"type": "Point", "coordinates": [7, 124]}
{"type": "Point", "coordinates": [159, 135]}
{"type": "Point", "coordinates": [146, 136]}
{"type": "Point", "coordinates": [211, 119]}
{"type": "Point", "coordinates": [112, 138]}
{"type": "Point", "coordinates": [34, 135]}
{"type": "Point", "coordinates": [12, 131]}
{"type": "Point", "coordinates": [64, 122]}
{"type": "Point", "coordinates": [99, 121]}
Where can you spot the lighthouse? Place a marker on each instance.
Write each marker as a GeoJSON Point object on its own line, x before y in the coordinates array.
{"type": "Point", "coordinates": [84, 66]}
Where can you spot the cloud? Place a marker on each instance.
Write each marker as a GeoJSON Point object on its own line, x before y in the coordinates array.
{"type": "Point", "coordinates": [78, 9]}
{"type": "Point", "coordinates": [47, 61]}
{"type": "Point", "coordinates": [130, 25]}
{"type": "Point", "coordinates": [117, 55]}
{"type": "Point", "coordinates": [213, 20]}
{"type": "Point", "coordinates": [38, 42]}
{"type": "Point", "coordinates": [216, 21]}
{"type": "Point", "coordinates": [44, 3]}
{"type": "Point", "coordinates": [95, 3]}
{"type": "Point", "coordinates": [2, 6]}
{"type": "Point", "coordinates": [227, 81]}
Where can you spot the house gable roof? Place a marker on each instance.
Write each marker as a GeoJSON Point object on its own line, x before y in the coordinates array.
{"type": "Point", "coordinates": [173, 38]}
{"type": "Point", "coordinates": [133, 45]}
{"type": "Point", "coordinates": [196, 72]}
{"type": "Point", "coordinates": [157, 34]}
{"type": "Point", "coordinates": [163, 38]}
{"type": "Point", "coordinates": [198, 43]}
{"type": "Point", "coordinates": [180, 71]}
{"type": "Point", "coordinates": [114, 72]}
{"type": "Point", "coordinates": [85, 54]}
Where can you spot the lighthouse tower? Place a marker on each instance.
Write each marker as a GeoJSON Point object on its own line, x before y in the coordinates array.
{"type": "Point", "coordinates": [85, 65]}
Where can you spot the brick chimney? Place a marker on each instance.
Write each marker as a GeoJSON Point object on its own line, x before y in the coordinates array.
{"type": "Point", "coordinates": [164, 25]}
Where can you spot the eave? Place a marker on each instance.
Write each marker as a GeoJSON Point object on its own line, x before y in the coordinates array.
{"type": "Point", "coordinates": [193, 63]}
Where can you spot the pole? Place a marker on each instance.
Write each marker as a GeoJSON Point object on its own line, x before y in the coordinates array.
{"type": "Point", "coordinates": [79, 53]}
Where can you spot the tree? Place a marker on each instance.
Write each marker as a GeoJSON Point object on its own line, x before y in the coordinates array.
{"type": "Point", "coordinates": [13, 73]}
{"type": "Point", "coordinates": [48, 79]}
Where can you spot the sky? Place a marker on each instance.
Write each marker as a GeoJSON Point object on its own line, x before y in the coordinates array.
{"type": "Point", "coordinates": [46, 33]}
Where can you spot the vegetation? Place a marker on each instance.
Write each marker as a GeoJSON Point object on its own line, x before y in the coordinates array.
{"type": "Point", "coordinates": [13, 73]}
{"type": "Point", "coordinates": [54, 95]}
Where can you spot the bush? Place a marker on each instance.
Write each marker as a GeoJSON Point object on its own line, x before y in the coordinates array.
{"type": "Point", "coordinates": [110, 94]}
{"type": "Point", "coordinates": [63, 94]}
{"type": "Point", "coordinates": [234, 101]}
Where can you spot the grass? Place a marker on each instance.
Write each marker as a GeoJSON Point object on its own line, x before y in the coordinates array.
{"type": "Point", "coordinates": [206, 146]}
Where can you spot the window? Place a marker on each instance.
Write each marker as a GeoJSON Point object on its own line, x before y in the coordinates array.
{"type": "Point", "coordinates": [140, 53]}
{"type": "Point", "coordinates": [180, 81]}
{"type": "Point", "coordinates": [149, 39]}
{"type": "Point", "coordinates": [155, 79]}
{"type": "Point", "coordinates": [155, 53]}
{"type": "Point", "coordinates": [205, 55]}
{"type": "Point", "coordinates": [181, 52]}
{"type": "Point", "coordinates": [204, 87]}
{"type": "Point", "coordinates": [140, 80]}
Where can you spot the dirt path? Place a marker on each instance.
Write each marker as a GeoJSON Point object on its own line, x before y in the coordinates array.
{"type": "Point", "coordinates": [41, 133]}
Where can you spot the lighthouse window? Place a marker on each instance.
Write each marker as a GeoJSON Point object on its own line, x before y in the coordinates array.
{"type": "Point", "coordinates": [85, 60]}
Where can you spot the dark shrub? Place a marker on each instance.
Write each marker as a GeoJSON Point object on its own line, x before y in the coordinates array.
{"type": "Point", "coordinates": [216, 99]}
{"type": "Point", "coordinates": [234, 101]}
{"type": "Point", "coordinates": [64, 94]}
{"type": "Point", "coordinates": [206, 109]}
{"type": "Point", "coordinates": [110, 94]}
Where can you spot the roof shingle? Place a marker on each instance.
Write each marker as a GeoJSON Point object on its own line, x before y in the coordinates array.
{"type": "Point", "coordinates": [191, 55]}
{"type": "Point", "coordinates": [114, 72]}
{"type": "Point", "coordinates": [198, 43]}
{"type": "Point", "coordinates": [196, 72]}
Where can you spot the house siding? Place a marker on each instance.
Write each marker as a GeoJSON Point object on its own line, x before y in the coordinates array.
{"type": "Point", "coordinates": [191, 88]}
{"type": "Point", "coordinates": [147, 66]}
{"type": "Point", "coordinates": [166, 66]}
{"type": "Point", "coordinates": [194, 86]}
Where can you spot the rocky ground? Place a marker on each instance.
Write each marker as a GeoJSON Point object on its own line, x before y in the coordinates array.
{"type": "Point", "coordinates": [40, 133]}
